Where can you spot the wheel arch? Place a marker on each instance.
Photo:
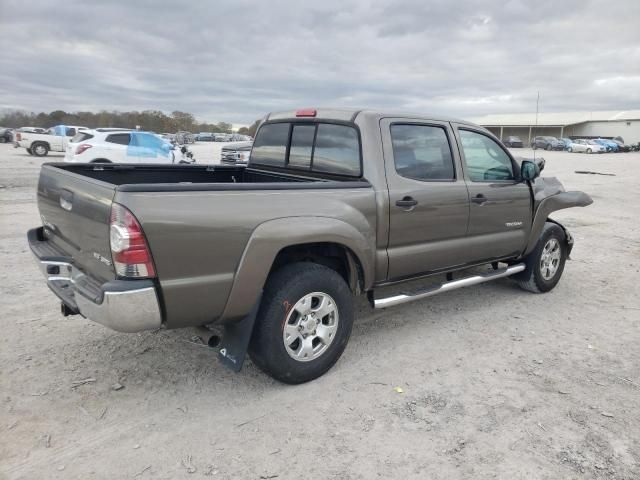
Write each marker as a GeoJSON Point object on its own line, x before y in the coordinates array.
{"type": "Point", "coordinates": [551, 204]}
{"type": "Point", "coordinates": [40, 142]}
{"type": "Point", "coordinates": [326, 241]}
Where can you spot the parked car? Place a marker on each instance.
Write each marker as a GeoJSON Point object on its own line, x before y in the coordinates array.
{"type": "Point", "coordinates": [206, 137]}
{"type": "Point", "coordinates": [586, 146]}
{"type": "Point", "coordinates": [118, 145]}
{"type": "Point", "coordinates": [6, 135]}
{"type": "Point", "coordinates": [32, 130]}
{"type": "Point", "coordinates": [334, 203]}
{"type": "Point", "coordinates": [54, 139]}
{"type": "Point", "coordinates": [566, 142]}
{"type": "Point", "coordinates": [184, 137]}
{"type": "Point", "coordinates": [236, 153]}
{"type": "Point", "coordinates": [622, 147]}
{"type": "Point", "coordinates": [513, 142]}
{"type": "Point", "coordinates": [237, 137]}
{"type": "Point", "coordinates": [609, 145]}
{"type": "Point", "coordinates": [547, 143]}
{"type": "Point", "coordinates": [222, 137]}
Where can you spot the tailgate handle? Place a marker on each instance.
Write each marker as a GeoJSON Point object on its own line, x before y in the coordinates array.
{"type": "Point", "coordinates": [66, 199]}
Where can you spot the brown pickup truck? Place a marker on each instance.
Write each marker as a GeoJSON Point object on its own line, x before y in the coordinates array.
{"type": "Point", "coordinates": [333, 203]}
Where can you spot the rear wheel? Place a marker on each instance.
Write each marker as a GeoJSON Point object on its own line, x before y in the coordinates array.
{"type": "Point", "coordinates": [40, 149]}
{"type": "Point", "coordinates": [3, 140]}
{"type": "Point", "coordinates": [589, 150]}
{"type": "Point", "coordinates": [570, 150]}
{"type": "Point", "coordinates": [304, 323]}
{"type": "Point", "coordinates": [548, 147]}
{"type": "Point", "coordinates": [545, 264]}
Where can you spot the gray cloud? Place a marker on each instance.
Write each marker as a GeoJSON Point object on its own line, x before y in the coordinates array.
{"type": "Point", "coordinates": [235, 61]}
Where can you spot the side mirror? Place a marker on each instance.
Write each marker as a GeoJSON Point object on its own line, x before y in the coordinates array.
{"type": "Point", "coordinates": [529, 170]}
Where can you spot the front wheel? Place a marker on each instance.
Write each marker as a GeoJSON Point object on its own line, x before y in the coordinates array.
{"type": "Point", "coordinates": [548, 147]}
{"type": "Point", "coordinates": [29, 151]}
{"type": "Point", "coordinates": [304, 323]}
{"type": "Point", "coordinates": [589, 150]}
{"type": "Point", "coordinates": [545, 264]}
{"type": "Point", "coordinates": [570, 150]}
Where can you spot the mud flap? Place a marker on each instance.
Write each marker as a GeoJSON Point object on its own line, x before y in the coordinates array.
{"type": "Point", "coordinates": [235, 339]}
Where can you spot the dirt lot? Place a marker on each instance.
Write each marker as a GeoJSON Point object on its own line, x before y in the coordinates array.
{"type": "Point", "coordinates": [497, 382]}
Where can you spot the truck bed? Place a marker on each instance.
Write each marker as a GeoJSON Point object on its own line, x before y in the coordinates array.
{"type": "Point", "coordinates": [136, 177]}
{"type": "Point", "coordinates": [197, 219]}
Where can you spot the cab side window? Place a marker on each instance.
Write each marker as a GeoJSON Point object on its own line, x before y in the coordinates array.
{"type": "Point", "coordinates": [422, 152]}
{"type": "Point", "coordinates": [484, 158]}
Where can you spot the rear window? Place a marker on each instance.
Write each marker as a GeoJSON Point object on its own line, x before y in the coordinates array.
{"type": "Point", "coordinates": [81, 137]}
{"type": "Point", "coordinates": [337, 150]}
{"type": "Point", "coordinates": [270, 147]}
{"type": "Point", "coordinates": [301, 145]}
{"type": "Point", "coordinates": [119, 138]}
{"type": "Point", "coordinates": [319, 147]}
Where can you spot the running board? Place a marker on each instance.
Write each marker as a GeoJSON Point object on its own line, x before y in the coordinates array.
{"type": "Point", "coordinates": [448, 286]}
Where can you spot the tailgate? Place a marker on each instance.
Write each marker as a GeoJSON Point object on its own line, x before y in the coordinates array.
{"type": "Point", "coordinates": [75, 212]}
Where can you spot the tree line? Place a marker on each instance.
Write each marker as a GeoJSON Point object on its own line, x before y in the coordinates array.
{"type": "Point", "coordinates": [148, 120]}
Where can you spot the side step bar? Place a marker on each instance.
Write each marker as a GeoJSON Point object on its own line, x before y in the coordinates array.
{"type": "Point", "coordinates": [448, 286]}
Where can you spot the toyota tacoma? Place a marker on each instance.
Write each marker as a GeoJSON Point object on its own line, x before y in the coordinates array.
{"type": "Point", "coordinates": [332, 204]}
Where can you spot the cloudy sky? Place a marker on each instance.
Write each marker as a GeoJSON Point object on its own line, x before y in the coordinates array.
{"type": "Point", "coordinates": [236, 60]}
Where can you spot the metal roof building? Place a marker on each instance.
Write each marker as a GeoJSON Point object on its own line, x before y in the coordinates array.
{"type": "Point", "coordinates": [625, 124]}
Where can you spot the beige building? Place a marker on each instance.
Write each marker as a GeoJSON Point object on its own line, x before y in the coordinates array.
{"type": "Point", "coordinates": [605, 124]}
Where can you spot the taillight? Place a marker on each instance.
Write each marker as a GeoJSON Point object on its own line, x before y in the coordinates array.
{"type": "Point", "coordinates": [83, 147]}
{"type": "Point", "coordinates": [129, 250]}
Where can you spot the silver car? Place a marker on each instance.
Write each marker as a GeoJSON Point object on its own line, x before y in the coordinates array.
{"type": "Point", "coordinates": [586, 146]}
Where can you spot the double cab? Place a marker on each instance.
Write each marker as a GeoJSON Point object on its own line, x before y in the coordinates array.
{"type": "Point", "coordinates": [332, 204]}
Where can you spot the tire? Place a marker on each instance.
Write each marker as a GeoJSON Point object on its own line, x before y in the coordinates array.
{"type": "Point", "coordinates": [544, 267]}
{"type": "Point", "coordinates": [3, 140]}
{"type": "Point", "coordinates": [100, 160]}
{"type": "Point", "coordinates": [40, 149]}
{"type": "Point", "coordinates": [570, 150]}
{"type": "Point", "coordinates": [533, 145]}
{"type": "Point", "coordinates": [589, 150]}
{"type": "Point", "coordinates": [29, 151]}
{"type": "Point", "coordinates": [283, 357]}
{"type": "Point", "coordinates": [548, 147]}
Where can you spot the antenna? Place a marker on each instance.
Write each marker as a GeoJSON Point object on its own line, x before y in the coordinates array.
{"type": "Point", "coordinates": [536, 129]}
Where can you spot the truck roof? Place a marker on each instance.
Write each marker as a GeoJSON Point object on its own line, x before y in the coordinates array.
{"type": "Point", "coordinates": [350, 114]}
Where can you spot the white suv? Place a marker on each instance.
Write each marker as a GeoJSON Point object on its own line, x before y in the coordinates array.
{"type": "Point", "coordinates": [118, 145]}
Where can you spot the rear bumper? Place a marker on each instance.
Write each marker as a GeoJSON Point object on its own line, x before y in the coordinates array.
{"type": "Point", "coordinates": [122, 305]}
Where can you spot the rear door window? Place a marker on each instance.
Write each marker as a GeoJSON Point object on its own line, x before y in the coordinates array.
{"type": "Point", "coordinates": [422, 152]}
{"type": "Point", "coordinates": [270, 146]}
{"type": "Point", "coordinates": [337, 150]}
{"type": "Point", "coordinates": [119, 138]}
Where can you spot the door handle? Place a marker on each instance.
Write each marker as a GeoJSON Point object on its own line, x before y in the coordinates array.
{"type": "Point", "coordinates": [407, 202]}
{"type": "Point", "coordinates": [480, 199]}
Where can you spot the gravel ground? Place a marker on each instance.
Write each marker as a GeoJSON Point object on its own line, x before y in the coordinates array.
{"type": "Point", "coordinates": [496, 382]}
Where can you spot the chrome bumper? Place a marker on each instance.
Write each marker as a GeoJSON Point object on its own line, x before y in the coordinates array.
{"type": "Point", "coordinates": [122, 305]}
